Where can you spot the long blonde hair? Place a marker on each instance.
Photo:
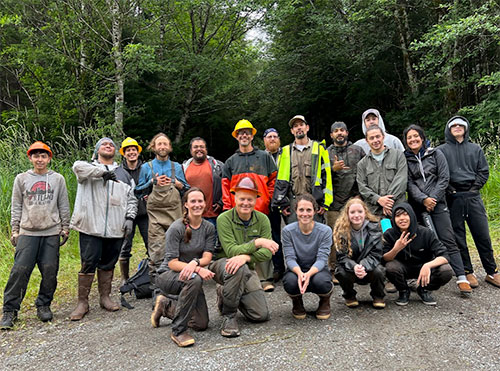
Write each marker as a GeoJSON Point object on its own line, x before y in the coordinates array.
{"type": "Point", "coordinates": [342, 229]}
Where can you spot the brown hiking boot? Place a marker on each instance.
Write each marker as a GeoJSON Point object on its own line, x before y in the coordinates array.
{"type": "Point", "coordinates": [493, 280]}
{"type": "Point", "coordinates": [351, 302]}
{"type": "Point", "coordinates": [230, 327]}
{"type": "Point", "coordinates": [471, 277]}
{"type": "Point", "coordinates": [124, 271]}
{"type": "Point", "coordinates": [183, 339]}
{"type": "Point", "coordinates": [84, 285]}
{"type": "Point", "coordinates": [323, 311]}
{"type": "Point", "coordinates": [157, 313]}
{"type": "Point", "coordinates": [390, 288]}
{"type": "Point", "coordinates": [298, 310]}
{"type": "Point", "coordinates": [378, 303]}
{"type": "Point", "coordinates": [104, 279]}
{"type": "Point", "coordinates": [464, 287]}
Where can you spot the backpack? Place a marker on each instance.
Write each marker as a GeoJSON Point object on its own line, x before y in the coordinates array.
{"type": "Point", "coordinates": [139, 283]}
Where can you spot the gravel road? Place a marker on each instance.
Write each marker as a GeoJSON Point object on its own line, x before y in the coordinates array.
{"type": "Point", "coordinates": [457, 334]}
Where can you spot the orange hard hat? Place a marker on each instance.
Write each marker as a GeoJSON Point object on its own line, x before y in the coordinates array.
{"type": "Point", "coordinates": [39, 145]}
{"type": "Point", "coordinates": [246, 184]}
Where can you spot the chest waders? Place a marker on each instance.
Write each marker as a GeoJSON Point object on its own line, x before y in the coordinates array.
{"type": "Point", "coordinates": [164, 207]}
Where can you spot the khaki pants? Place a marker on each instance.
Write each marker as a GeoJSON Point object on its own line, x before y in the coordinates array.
{"type": "Point", "coordinates": [265, 271]}
{"type": "Point", "coordinates": [241, 291]}
{"type": "Point", "coordinates": [331, 218]}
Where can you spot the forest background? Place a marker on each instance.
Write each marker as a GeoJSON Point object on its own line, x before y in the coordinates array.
{"type": "Point", "coordinates": [72, 71]}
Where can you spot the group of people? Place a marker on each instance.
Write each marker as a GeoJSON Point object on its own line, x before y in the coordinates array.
{"type": "Point", "coordinates": [382, 212]}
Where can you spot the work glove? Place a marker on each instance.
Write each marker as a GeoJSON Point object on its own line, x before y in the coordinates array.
{"type": "Point", "coordinates": [13, 238]}
{"type": "Point", "coordinates": [109, 175]}
{"type": "Point", "coordinates": [128, 226]}
{"type": "Point", "coordinates": [63, 235]}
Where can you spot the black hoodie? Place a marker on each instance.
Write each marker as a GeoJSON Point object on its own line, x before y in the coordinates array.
{"type": "Point", "coordinates": [134, 173]}
{"type": "Point", "coordinates": [468, 167]}
{"type": "Point", "coordinates": [424, 248]}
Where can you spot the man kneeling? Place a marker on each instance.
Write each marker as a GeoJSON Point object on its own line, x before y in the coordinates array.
{"type": "Point", "coordinates": [245, 237]}
{"type": "Point", "coordinates": [413, 251]}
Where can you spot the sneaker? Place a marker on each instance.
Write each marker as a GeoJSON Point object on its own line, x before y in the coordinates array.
{"type": "Point", "coordinates": [8, 320]}
{"type": "Point", "coordinates": [183, 339]}
{"type": "Point", "coordinates": [493, 279]}
{"type": "Point", "coordinates": [471, 277]}
{"type": "Point", "coordinates": [465, 288]}
{"type": "Point", "coordinates": [426, 297]}
{"type": "Point", "coordinates": [229, 327]}
{"type": "Point", "coordinates": [390, 288]}
{"type": "Point", "coordinates": [404, 298]}
{"type": "Point", "coordinates": [351, 302]}
{"type": "Point", "coordinates": [378, 303]}
{"type": "Point", "coordinates": [44, 314]}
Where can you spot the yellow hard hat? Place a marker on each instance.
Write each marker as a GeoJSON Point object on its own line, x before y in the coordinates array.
{"type": "Point", "coordinates": [243, 124]}
{"type": "Point", "coordinates": [130, 142]}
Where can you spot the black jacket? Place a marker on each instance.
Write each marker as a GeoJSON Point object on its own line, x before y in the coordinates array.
{"type": "Point", "coordinates": [368, 256]}
{"type": "Point", "coordinates": [428, 175]}
{"type": "Point", "coordinates": [344, 181]}
{"type": "Point", "coordinates": [424, 248]}
{"type": "Point", "coordinates": [134, 173]}
{"type": "Point", "coordinates": [468, 167]}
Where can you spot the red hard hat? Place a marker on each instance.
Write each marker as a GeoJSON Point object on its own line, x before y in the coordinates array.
{"type": "Point", "coordinates": [246, 184]}
{"type": "Point", "coordinates": [39, 145]}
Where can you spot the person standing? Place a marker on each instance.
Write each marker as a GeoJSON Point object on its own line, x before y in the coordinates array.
{"type": "Point", "coordinates": [358, 240]}
{"type": "Point", "coordinates": [344, 158]}
{"type": "Point", "coordinates": [105, 207]}
{"type": "Point", "coordinates": [252, 162]}
{"type": "Point", "coordinates": [306, 245]}
{"type": "Point", "coordinates": [372, 117]}
{"type": "Point", "coordinates": [205, 172]}
{"type": "Point", "coordinates": [428, 178]}
{"type": "Point", "coordinates": [382, 175]}
{"type": "Point", "coordinates": [272, 142]}
{"type": "Point", "coordinates": [190, 244]}
{"type": "Point", "coordinates": [304, 167]}
{"type": "Point", "coordinates": [469, 173]}
{"type": "Point", "coordinates": [245, 238]}
{"type": "Point", "coordinates": [40, 225]}
{"type": "Point", "coordinates": [130, 150]}
{"type": "Point", "coordinates": [161, 181]}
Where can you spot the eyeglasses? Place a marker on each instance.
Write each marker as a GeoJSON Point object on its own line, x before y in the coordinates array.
{"type": "Point", "coordinates": [199, 147]}
{"type": "Point", "coordinates": [244, 132]}
{"type": "Point", "coordinates": [272, 137]}
{"type": "Point", "coordinates": [456, 126]}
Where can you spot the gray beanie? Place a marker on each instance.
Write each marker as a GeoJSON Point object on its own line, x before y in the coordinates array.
{"type": "Point", "coordinates": [99, 144]}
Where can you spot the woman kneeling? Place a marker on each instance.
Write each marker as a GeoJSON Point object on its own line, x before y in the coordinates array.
{"type": "Point", "coordinates": [357, 238]}
{"type": "Point", "coordinates": [189, 247]}
{"type": "Point", "coordinates": [306, 246]}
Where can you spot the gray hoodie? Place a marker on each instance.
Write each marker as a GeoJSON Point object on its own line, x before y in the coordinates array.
{"type": "Point", "coordinates": [40, 205]}
{"type": "Point", "coordinates": [390, 141]}
{"type": "Point", "coordinates": [101, 208]}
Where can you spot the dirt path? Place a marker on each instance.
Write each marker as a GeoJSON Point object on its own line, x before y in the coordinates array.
{"type": "Point", "coordinates": [458, 334]}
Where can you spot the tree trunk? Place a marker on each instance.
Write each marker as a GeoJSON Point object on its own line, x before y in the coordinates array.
{"type": "Point", "coordinates": [116, 36]}
{"type": "Point", "coordinates": [185, 115]}
{"type": "Point", "coordinates": [401, 17]}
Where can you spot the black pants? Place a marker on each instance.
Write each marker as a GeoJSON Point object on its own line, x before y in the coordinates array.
{"type": "Point", "coordinates": [444, 230]}
{"type": "Point", "coordinates": [30, 250]}
{"type": "Point", "coordinates": [468, 207]}
{"type": "Point", "coordinates": [98, 252]}
{"type": "Point", "coordinates": [142, 222]}
{"type": "Point", "coordinates": [398, 273]}
{"type": "Point", "coordinates": [320, 283]}
{"type": "Point", "coordinates": [375, 278]}
{"type": "Point", "coordinates": [191, 306]}
{"type": "Point", "coordinates": [278, 259]}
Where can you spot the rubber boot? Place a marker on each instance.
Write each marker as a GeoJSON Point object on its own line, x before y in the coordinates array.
{"type": "Point", "coordinates": [84, 285]}
{"type": "Point", "coordinates": [298, 310]}
{"type": "Point", "coordinates": [323, 311]}
{"type": "Point", "coordinates": [124, 271]}
{"type": "Point", "coordinates": [104, 279]}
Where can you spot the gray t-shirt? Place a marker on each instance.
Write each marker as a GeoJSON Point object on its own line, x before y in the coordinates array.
{"type": "Point", "coordinates": [202, 239]}
{"type": "Point", "coordinates": [306, 250]}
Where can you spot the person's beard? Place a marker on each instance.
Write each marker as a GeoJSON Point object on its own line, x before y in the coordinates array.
{"type": "Point", "coordinates": [340, 140]}
{"type": "Point", "coordinates": [300, 136]}
{"type": "Point", "coordinates": [273, 147]}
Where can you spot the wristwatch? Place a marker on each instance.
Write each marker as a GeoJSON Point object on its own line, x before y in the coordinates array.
{"type": "Point", "coordinates": [197, 261]}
